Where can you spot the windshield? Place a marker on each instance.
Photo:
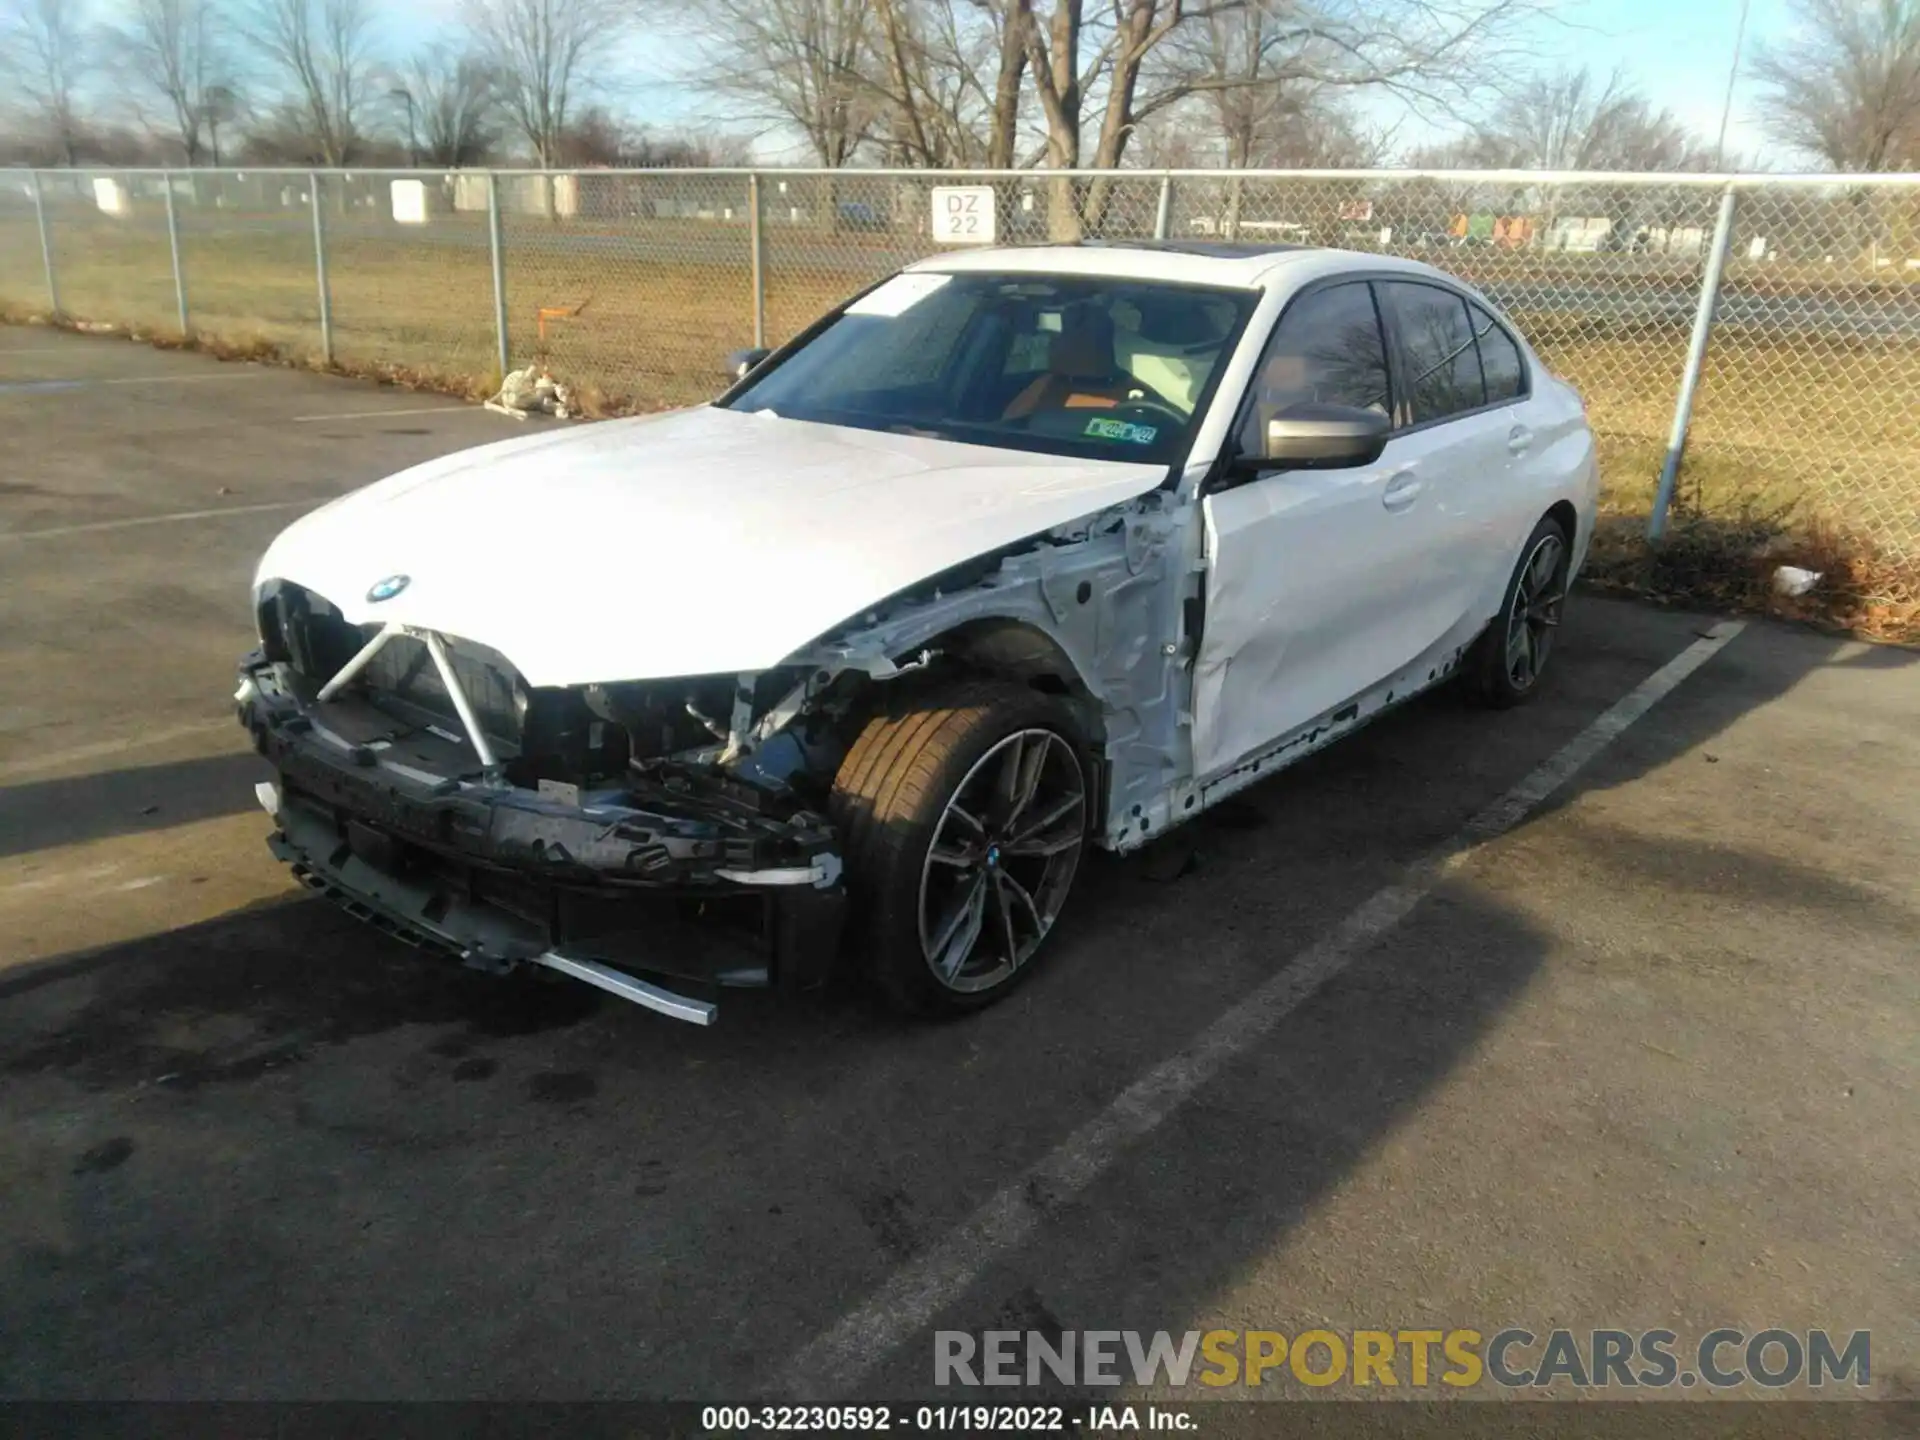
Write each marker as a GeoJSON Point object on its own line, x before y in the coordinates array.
{"type": "Point", "coordinates": [1086, 366]}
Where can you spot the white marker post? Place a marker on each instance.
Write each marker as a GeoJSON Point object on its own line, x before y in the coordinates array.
{"type": "Point", "coordinates": [963, 215]}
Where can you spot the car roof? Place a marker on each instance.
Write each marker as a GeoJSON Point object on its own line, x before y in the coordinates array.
{"type": "Point", "coordinates": [1237, 265]}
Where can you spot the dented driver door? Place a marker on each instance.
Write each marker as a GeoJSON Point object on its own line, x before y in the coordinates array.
{"type": "Point", "coordinates": [1317, 580]}
{"type": "Point", "coordinates": [1312, 587]}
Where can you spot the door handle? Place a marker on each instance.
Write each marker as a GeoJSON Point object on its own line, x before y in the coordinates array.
{"type": "Point", "coordinates": [1402, 490]}
{"type": "Point", "coordinates": [1518, 439]}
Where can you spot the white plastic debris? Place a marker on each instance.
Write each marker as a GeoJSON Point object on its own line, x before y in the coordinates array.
{"type": "Point", "coordinates": [1792, 580]}
{"type": "Point", "coordinates": [533, 391]}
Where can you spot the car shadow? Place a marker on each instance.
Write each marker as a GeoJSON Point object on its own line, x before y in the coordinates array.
{"type": "Point", "coordinates": [512, 1188]}
{"type": "Point", "coordinates": [42, 814]}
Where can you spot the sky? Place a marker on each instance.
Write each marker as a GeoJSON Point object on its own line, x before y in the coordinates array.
{"type": "Point", "coordinates": [1676, 51]}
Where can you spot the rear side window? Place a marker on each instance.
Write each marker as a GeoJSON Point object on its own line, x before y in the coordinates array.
{"type": "Point", "coordinates": [1499, 358]}
{"type": "Point", "coordinates": [1327, 349]}
{"type": "Point", "coordinates": [1443, 362]}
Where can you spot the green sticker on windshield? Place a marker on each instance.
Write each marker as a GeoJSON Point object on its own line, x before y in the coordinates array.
{"type": "Point", "coordinates": [1121, 430]}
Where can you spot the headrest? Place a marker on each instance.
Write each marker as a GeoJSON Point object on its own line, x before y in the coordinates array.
{"type": "Point", "coordinates": [1084, 347]}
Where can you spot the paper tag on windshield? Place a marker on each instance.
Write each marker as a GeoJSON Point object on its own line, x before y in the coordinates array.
{"type": "Point", "coordinates": [897, 295]}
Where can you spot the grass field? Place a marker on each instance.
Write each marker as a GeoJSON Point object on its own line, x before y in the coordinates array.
{"type": "Point", "coordinates": [1804, 446]}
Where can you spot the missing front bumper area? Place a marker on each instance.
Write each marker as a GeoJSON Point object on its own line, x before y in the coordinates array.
{"type": "Point", "coordinates": [417, 839]}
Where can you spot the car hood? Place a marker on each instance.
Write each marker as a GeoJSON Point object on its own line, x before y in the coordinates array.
{"type": "Point", "coordinates": [705, 541]}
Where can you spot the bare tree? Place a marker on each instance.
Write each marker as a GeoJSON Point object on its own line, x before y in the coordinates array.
{"type": "Point", "coordinates": [1275, 71]}
{"type": "Point", "coordinates": [1148, 55]}
{"type": "Point", "coordinates": [46, 48]}
{"type": "Point", "coordinates": [594, 137]}
{"type": "Point", "coordinates": [930, 72]}
{"type": "Point", "coordinates": [1140, 58]}
{"type": "Point", "coordinates": [946, 81]}
{"type": "Point", "coordinates": [1569, 120]}
{"type": "Point", "coordinates": [1012, 20]}
{"type": "Point", "coordinates": [321, 53]}
{"type": "Point", "coordinates": [598, 137]}
{"type": "Point", "coordinates": [1271, 108]}
{"type": "Point", "coordinates": [223, 106]}
{"type": "Point", "coordinates": [546, 56]}
{"type": "Point", "coordinates": [646, 150]}
{"type": "Point", "coordinates": [928, 82]}
{"type": "Point", "coordinates": [455, 108]}
{"type": "Point", "coordinates": [953, 75]}
{"type": "Point", "coordinates": [800, 63]}
{"type": "Point", "coordinates": [1846, 87]}
{"type": "Point", "coordinates": [173, 53]}
{"type": "Point", "coordinates": [1054, 56]}
{"type": "Point", "coordinates": [1182, 138]}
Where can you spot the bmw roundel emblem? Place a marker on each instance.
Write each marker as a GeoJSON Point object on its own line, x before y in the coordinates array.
{"type": "Point", "coordinates": [388, 588]}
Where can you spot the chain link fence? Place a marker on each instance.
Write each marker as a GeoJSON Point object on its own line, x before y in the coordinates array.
{"type": "Point", "coordinates": [1801, 417]}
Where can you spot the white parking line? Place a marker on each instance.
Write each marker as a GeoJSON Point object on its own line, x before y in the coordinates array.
{"type": "Point", "coordinates": [383, 414]}
{"type": "Point", "coordinates": [132, 522]}
{"type": "Point", "coordinates": [90, 876]}
{"type": "Point", "coordinates": [840, 1358]}
{"type": "Point", "coordinates": [20, 386]}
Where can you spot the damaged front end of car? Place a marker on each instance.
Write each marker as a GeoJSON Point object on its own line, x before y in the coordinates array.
{"type": "Point", "coordinates": [660, 839]}
{"type": "Point", "coordinates": [667, 836]}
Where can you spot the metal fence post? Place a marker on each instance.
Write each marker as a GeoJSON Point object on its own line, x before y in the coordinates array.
{"type": "Point", "coordinates": [1696, 358]}
{"type": "Point", "coordinates": [1164, 209]}
{"type": "Point", "coordinates": [320, 269]}
{"type": "Point", "coordinates": [173, 244]}
{"type": "Point", "coordinates": [46, 243]}
{"type": "Point", "coordinates": [496, 241]}
{"type": "Point", "coordinates": [757, 240]}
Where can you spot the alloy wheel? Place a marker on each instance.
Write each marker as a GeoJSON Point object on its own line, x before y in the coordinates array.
{"type": "Point", "coordinates": [1535, 612]}
{"type": "Point", "coordinates": [1001, 860]}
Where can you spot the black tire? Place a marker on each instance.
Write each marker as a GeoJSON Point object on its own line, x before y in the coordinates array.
{"type": "Point", "coordinates": [891, 798]}
{"type": "Point", "coordinates": [1497, 673]}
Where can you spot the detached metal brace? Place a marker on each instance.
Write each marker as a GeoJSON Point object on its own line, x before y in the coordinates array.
{"type": "Point", "coordinates": [437, 650]}
{"type": "Point", "coordinates": [631, 987]}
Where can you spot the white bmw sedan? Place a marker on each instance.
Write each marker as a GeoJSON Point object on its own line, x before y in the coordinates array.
{"type": "Point", "coordinates": [1017, 552]}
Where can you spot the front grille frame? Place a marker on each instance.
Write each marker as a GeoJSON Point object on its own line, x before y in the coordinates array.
{"type": "Point", "coordinates": [403, 675]}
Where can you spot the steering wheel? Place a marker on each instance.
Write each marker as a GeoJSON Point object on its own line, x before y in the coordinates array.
{"type": "Point", "coordinates": [1127, 409]}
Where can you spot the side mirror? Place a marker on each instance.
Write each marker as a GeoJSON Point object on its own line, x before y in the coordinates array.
{"type": "Point", "coordinates": [1324, 437]}
{"type": "Point", "coordinates": [741, 362]}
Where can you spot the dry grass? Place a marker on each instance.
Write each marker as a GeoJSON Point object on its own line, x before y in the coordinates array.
{"type": "Point", "coordinates": [1729, 562]}
{"type": "Point", "coordinates": [1801, 452]}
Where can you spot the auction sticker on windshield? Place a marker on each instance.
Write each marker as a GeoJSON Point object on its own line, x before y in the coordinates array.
{"type": "Point", "coordinates": [898, 295]}
{"type": "Point", "coordinates": [1121, 430]}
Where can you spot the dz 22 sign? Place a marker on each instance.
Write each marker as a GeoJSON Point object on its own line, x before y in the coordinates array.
{"type": "Point", "coordinates": [963, 214]}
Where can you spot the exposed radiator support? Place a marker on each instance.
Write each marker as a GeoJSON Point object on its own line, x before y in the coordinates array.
{"type": "Point", "coordinates": [437, 649]}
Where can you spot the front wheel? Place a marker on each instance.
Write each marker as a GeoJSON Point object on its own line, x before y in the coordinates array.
{"type": "Point", "coordinates": [962, 821]}
{"type": "Point", "coordinates": [1507, 661]}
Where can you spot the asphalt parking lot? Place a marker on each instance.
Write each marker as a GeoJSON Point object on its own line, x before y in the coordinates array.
{"type": "Point", "coordinates": [1647, 1059]}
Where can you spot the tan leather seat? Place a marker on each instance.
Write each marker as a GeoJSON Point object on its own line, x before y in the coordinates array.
{"type": "Point", "coordinates": [1081, 373]}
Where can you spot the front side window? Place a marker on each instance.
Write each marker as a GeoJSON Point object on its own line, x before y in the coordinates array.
{"type": "Point", "coordinates": [1064, 364]}
{"type": "Point", "coordinates": [1327, 349]}
{"type": "Point", "coordinates": [1443, 362]}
